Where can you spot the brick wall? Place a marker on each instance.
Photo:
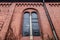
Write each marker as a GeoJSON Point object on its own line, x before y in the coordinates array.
{"type": "Point", "coordinates": [11, 20]}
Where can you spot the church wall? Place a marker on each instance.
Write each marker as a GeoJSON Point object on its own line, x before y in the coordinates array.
{"type": "Point", "coordinates": [12, 16]}
{"type": "Point", "coordinates": [54, 11]}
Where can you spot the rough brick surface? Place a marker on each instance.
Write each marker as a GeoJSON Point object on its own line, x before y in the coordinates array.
{"type": "Point", "coordinates": [11, 20]}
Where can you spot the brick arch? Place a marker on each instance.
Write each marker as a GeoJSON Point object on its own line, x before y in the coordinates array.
{"type": "Point", "coordinates": [30, 9]}
{"type": "Point", "coordinates": [35, 10]}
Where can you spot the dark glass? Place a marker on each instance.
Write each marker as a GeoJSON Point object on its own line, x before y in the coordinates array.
{"type": "Point", "coordinates": [26, 25]}
{"type": "Point", "coordinates": [35, 26]}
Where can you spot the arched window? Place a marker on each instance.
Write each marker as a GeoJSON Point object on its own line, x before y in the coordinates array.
{"type": "Point", "coordinates": [30, 21]}
{"type": "Point", "coordinates": [35, 26]}
{"type": "Point", "coordinates": [26, 24]}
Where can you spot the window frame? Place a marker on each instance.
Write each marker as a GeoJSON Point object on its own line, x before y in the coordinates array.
{"type": "Point", "coordinates": [37, 16]}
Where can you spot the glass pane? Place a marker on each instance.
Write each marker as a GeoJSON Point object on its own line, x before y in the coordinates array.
{"type": "Point", "coordinates": [35, 26]}
{"type": "Point", "coordinates": [26, 25]}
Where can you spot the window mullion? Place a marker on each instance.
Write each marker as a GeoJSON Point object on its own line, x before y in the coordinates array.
{"type": "Point", "coordinates": [31, 34]}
